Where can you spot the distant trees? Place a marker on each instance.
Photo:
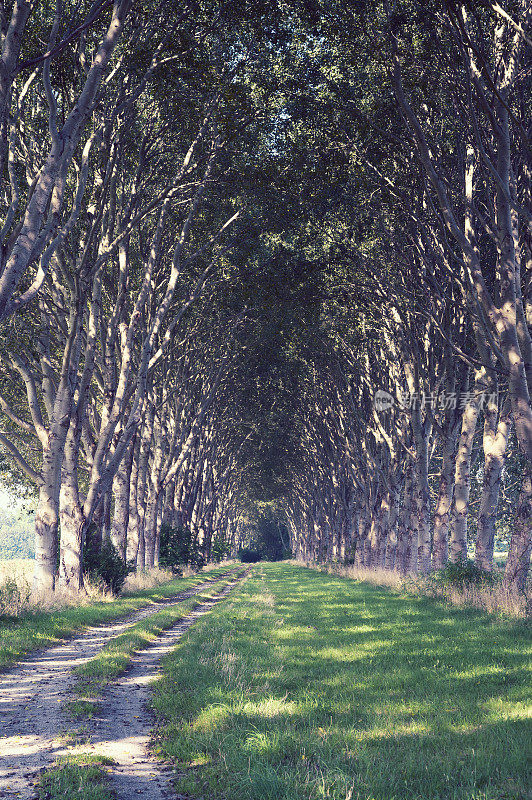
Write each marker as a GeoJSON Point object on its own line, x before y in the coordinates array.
{"type": "Point", "coordinates": [17, 529]}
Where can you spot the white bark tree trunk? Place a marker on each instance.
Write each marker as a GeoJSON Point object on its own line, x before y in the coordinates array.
{"type": "Point", "coordinates": [462, 484]}
{"type": "Point", "coordinates": [495, 441]}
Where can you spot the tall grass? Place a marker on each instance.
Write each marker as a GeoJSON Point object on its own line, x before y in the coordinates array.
{"type": "Point", "coordinates": [17, 596]}
{"type": "Point", "coordinates": [494, 598]}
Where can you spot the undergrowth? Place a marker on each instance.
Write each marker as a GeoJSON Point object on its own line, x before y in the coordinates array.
{"type": "Point", "coordinates": [463, 585]}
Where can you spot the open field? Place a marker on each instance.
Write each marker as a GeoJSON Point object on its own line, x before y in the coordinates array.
{"type": "Point", "coordinates": [304, 685]}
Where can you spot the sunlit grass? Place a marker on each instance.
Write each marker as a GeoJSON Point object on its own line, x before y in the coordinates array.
{"type": "Point", "coordinates": [306, 685]}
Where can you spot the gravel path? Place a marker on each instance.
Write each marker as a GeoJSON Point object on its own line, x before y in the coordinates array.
{"type": "Point", "coordinates": [32, 721]}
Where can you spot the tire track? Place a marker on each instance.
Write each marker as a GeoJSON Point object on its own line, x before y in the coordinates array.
{"type": "Point", "coordinates": [32, 721]}
{"type": "Point", "coordinates": [124, 729]}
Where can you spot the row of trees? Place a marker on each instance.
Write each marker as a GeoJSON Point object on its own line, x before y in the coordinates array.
{"type": "Point", "coordinates": [119, 142]}
{"type": "Point", "coordinates": [437, 261]}
{"type": "Point", "coordinates": [263, 253]}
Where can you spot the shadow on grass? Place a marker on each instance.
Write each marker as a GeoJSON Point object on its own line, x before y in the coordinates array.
{"type": "Point", "coordinates": [337, 689]}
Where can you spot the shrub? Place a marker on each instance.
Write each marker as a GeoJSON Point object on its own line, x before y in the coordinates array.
{"type": "Point", "coordinates": [219, 550]}
{"type": "Point", "coordinates": [102, 564]}
{"type": "Point", "coordinates": [178, 549]}
{"type": "Point", "coordinates": [465, 573]}
{"type": "Point", "coordinates": [248, 556]}
{"type": "Point", "coordinates": [13, 597]}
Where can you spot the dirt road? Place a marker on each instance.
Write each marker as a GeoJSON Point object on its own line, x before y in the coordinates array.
{"type": "Point", "coordinates": [33, 726]}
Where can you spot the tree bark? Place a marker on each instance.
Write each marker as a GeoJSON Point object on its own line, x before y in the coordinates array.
{"type": "Point", "coordinates": [46, 538]}
{"type": "Point", "coordinates": [121, 490]}
{"type": "Point", "coordinates": [495, 442]}
{"type": "Point", "coordinates": [422, 499]}
{"type": "Point", "coordinates": [442, 513]}
{"type": "Point", "coordinates": [518, 564]}
{"type": "Point", "coordinates": [72, 520]}
{"type": "Point", "coordinates": [47, 513]}
{"type": "Point", "coordinates": [458, 536]}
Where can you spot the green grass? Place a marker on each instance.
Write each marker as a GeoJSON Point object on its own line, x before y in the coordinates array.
{"type": "Point", "coordinates": [32, 630]}
{"type": "Point", "coordinates": [305, 685]}
{"type": "Point", "coordinates": [75, 777]}
{"type": "Point", "coordinates": [115, 657]}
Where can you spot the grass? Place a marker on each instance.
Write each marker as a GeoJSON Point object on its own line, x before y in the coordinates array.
{"type": "Point", "coordinates": [494, 598]}
{"type": "Point", "coordinates": [83, 775]}
{"type": "Point", "coordinates": [115, 657]}
{"type": "Point", "coordinates": [30, 630]}
{"type": "Point", "coordinates": [305, 685]}
{"type": "Point", "coordinates": [74, 777]}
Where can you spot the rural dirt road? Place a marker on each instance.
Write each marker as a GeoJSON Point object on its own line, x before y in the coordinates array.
{"type": "Point", "coordinates": [33, 723]}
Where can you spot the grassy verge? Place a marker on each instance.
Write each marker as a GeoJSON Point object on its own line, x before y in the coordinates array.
{"type": "Point", "coordinates": [77, 776]}
{"type": "Point", "coordinates": [492, 597]}
{"type": "Point", "coordinates": [33, 630]}
{"type": "Point", "coordinates": [115, 657]}
{"type": "Point", "coordinates": [304, 685]}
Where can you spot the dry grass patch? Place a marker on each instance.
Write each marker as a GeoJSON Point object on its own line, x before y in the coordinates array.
{"type": "Point", "coordinates": [147, 579]}
{"type": "Point", "coordinates": [18, 568]}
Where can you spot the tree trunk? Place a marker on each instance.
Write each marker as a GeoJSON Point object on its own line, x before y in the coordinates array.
{"type": "Point", "coordinates": [142, 481]}
{"type": "Point", "coordinates": [72, 535]}
{"type": "Point", "coordinates": [442, 513]}
{"type": "Point", "coordinates": [392, 529]}
{"type": "Point", "coordinates": [403, 520]}
{"type": "Point", "coordinates": [362, 535]}
{"type": "Point", "coordinates": [458, 537]}
{"type": "Point", "coordinates": [72, 519]}
{"type": "Point", "coordinates": [422, 498]}
{"type": "Point", "coordinates": [150, 530]}
{"type": "Point", "coordinates": [121, 489]}
{"type": "Point", "coordinates": [106, 517]}
{"type": "Point", "coordinates": [47, 513]}
{"type": "Point", "coordinates": [46, 530]}
{"type": "Point", "coordinates": [518, 564]}
{"type": "Point", "coordinates": [411, 548]}
{"type": "Point", "coordinates": [160, 517]}
{"type": "Point", "coordinates": [374, 537]}
{"type": "Point", "coordinates": [495, 442]}
{"type": "Point", "coordinates": [132, 545]}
